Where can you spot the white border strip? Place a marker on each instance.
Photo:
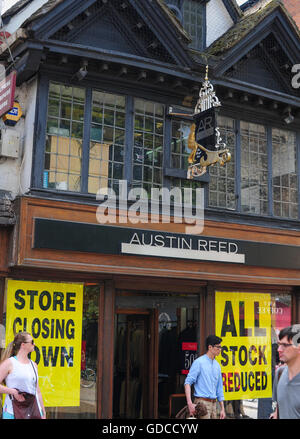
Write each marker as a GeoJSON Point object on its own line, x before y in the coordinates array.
{"type": "Point", "coordinates": [149, 250]}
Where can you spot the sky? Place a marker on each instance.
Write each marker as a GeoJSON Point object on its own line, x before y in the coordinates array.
{"type": "Point", "coordinates": [6, 4]}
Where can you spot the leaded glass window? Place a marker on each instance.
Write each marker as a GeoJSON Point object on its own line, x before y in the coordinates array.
{"type": "Point", "coordinates": [193, 22]}
{"type": "Point", "coordinates": [64, 135]}
{"type": "Point", "coordinates": [222, 191]}
{"type": "Point", "coordinates": [107, 137]}
{"type": "Point", "coordinates": [148, 144]}
{"type": "Point", "coordinates": [284, 174]}
{"type": "Point", "coordinates": [254, 169]}
{"type": "Point", "coordinates": [179, 147]}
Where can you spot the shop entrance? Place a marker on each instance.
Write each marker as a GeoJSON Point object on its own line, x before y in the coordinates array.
{"type": "Point", "coordinates": [156, 341]}
{"type": "Point", "coordinates": [132, 363]}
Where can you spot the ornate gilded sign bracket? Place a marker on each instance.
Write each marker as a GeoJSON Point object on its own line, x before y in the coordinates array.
{"type": "Point", "coordinates": [205, 139]}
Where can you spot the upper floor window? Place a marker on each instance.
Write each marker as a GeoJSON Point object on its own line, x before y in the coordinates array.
{"type": "Point", "coordinates": [64, 137]}
{"type": "Point", "coordinates": [191, 14]}
{"type": "Point", "coordinates": [265, 181]}
{"type": "Point", "coordinates": [95, 138]}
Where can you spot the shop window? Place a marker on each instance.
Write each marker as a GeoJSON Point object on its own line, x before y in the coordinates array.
{"type": "Point", "coordinates": [222, 190]}
{"type": "Point", "coordinates": [278, 306]}
{"type": "Point", "coordinates": [148, 145]}
{"type": "Point", "coordinates": [284, 174]}
{"type": "Point", "coordinates": [88, 382]}
{"type": "Point", "coordinates": [254, 169]}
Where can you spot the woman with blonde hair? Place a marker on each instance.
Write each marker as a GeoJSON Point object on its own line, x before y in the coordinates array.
{"type": "Point", "coordinates": [19, 374]}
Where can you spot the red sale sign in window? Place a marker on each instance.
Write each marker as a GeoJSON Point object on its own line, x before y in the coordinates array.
{"type": "Point", "coordinates": [189, 354]}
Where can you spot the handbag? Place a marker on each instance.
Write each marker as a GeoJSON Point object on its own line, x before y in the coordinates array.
{"type": "Point", "coordinates": [27, 409]}
{"type": "Point", "coordinates": [200, 410]}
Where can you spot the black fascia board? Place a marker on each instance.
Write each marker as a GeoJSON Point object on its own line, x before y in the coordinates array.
{"type": "Point", "coordinates": [66, 48]}
{"type": "Point", "coordinates": [254, 89]}
{"type": "Point", "coordinates": [63, 13]}
{"type": "Point", "coordinates": [274, 23]}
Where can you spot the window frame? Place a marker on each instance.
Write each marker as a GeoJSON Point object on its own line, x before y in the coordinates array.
{"type": "Point", "coordinates": [238, 179]}
{"type": "Point", "coordinates": [168, 171]}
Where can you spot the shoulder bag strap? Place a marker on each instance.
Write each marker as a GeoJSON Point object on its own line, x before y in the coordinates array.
{"type": "Point", "coordinates": [36, 378]}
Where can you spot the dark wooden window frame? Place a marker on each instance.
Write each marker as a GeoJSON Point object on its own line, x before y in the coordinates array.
{"type": "Point", "coordinates": [168, 171]}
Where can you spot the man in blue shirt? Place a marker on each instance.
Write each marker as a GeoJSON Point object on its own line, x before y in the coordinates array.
{"type": "Point", "coordinates": [205, 375]}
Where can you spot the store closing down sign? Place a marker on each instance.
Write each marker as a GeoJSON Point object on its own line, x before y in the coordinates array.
{"type": "Point", "coordinates": [246, 347]}
{"type": "Point", "coordinates": [52, 313]}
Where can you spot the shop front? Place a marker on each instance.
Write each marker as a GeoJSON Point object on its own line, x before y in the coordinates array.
{"type": "Point", "coordinates": [117, 324]}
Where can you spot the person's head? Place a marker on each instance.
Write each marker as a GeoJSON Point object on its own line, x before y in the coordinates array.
{"type": "Point", "coordinates": [22, 341]}
{"type": "Point", "coordinates": [289, 344]}
{"type": "Point", "coordinates": [213, 345]}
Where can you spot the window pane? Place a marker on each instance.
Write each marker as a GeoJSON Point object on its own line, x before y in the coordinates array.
{"type": "Point", "coordinates": [284, 174]}
{"type": "Point", "coordinates": [222, 178]}
{"type": "Point", "coordinates": [254, 169]}
{"type": "Point", "coordinates": [64, 133]}
{"type": "Point", "coordinates": [179, 147]}
{"type": "Point", "coordinates": [107, 141]}
{"type": "Point", "coordinates": [148, 144]}
{"type": "Point", "coordinates": [193, 21]}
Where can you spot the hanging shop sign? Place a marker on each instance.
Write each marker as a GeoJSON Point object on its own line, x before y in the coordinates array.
{"type": "Point", "coordinates": [204, 139]}
{"type": "Point", "coordinates": [52, 313]}
{"type": "Point", "coordinates": [103, 239]}
{"type": "Point", "coordinates": [246, 356]}
{"type": "Point", "coordinates": [13, 116]}
{"type": "Point", "coordinates": [7, 93]}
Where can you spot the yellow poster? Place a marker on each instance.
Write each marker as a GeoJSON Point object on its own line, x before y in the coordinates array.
{"type": "Point", "coordinates": [246, 347]}
{"type": "Point", "coordinates": [52, 313]}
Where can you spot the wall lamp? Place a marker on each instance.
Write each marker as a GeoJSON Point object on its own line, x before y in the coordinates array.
{"type": "Point", "coordinates": [82, 72]}
{"type": "Point", "coordinates": [287, 115]}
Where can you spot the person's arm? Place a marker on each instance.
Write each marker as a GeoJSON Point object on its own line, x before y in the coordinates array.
{"type": "Point", "coordinates": [188, 395]}
{"type": "Point", "coordinates": [5, 369]}
{"type": "Point", "coordinates": [274, 415]}
{"type": "Point", "coordinates": [222, 411]}
{"type": "Point", "coordinates": [220, 396]}
{"type": "Point", "coordinates": [39, 395]}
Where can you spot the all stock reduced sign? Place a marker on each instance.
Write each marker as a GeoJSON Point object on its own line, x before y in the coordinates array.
{"type": "Point", "coordinates": [52, 314]}
{"type": "Point", "coordinates": [246, 354]}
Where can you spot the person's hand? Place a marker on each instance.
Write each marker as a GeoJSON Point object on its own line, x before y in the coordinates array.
{"type": "Point", "coordinates": [273, 415]}
{"type": "Point", "coordinates": [222, 414]}
{"type": "Point", "coordinates": [44, 415]}
{"type": "Point", "coordinates": [191, 407]}
{"type": "Point", "coordinates": [18, 396]}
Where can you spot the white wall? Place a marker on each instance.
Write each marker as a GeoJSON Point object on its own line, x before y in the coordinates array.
{"type": "Point", "coordinates": [218, 20]}
{"type": "Point", "coordinates": [18, 19]}
{"type": "Point", "coordinates": [15, 174]}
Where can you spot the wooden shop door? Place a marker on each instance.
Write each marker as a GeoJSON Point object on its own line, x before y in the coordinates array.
{"type": "Point", "coordinates": [135, 380]}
